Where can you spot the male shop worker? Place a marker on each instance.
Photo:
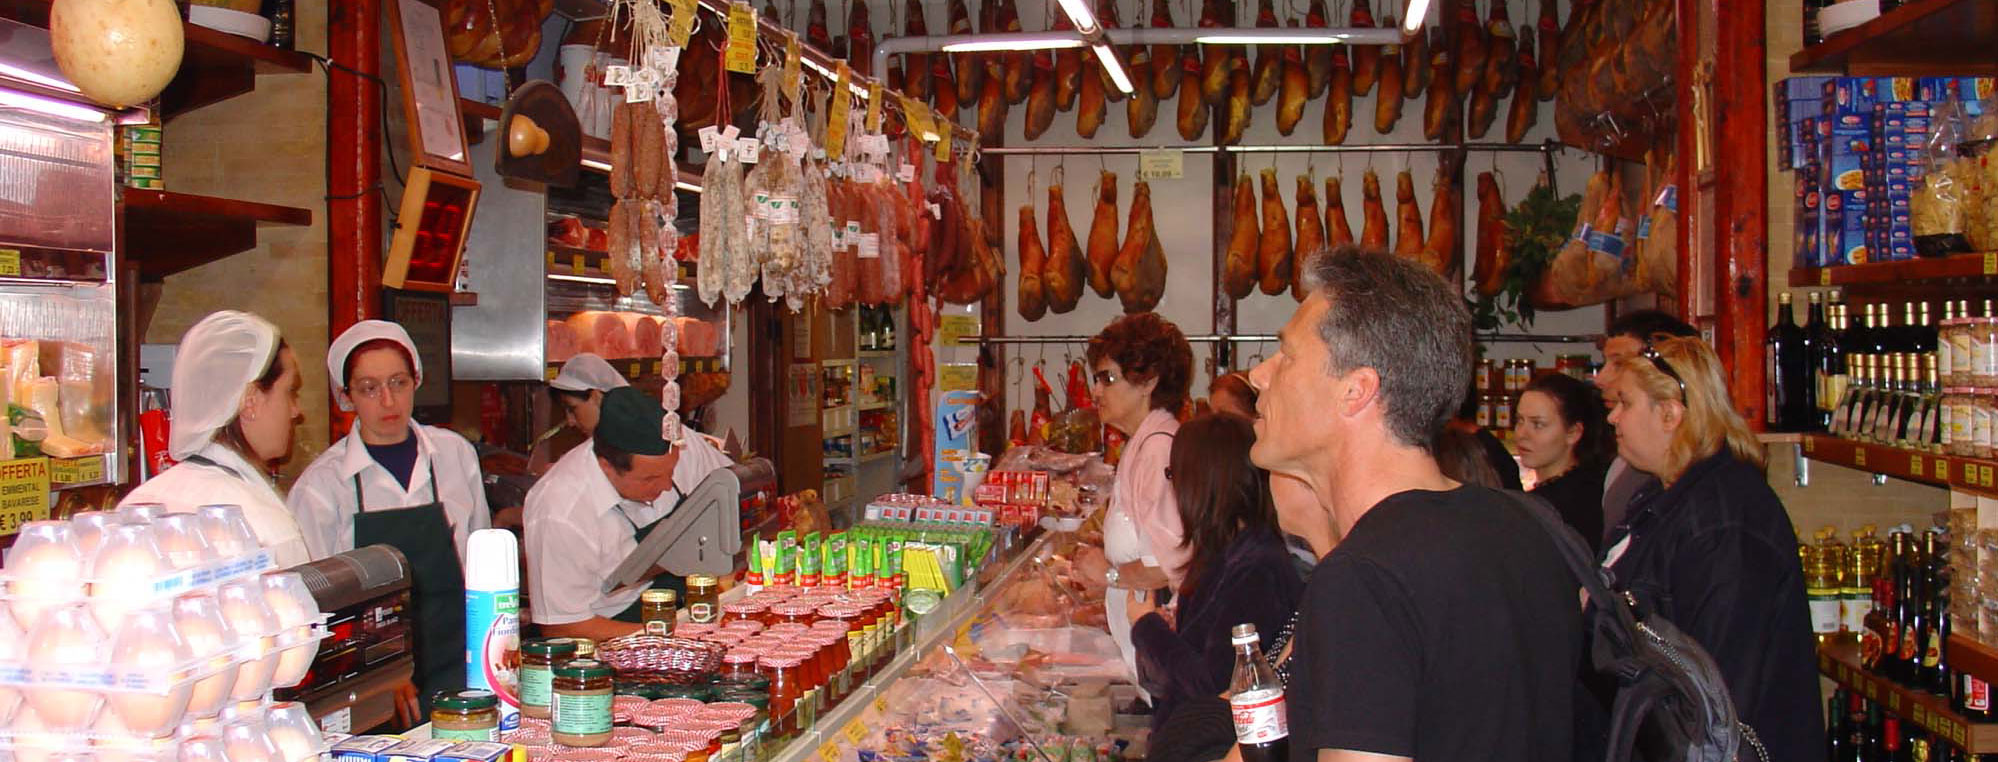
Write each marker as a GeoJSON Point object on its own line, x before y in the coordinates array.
{"type": "Point", "coordinates": [1439, 591]}
{"type": "Point", "coordinates": [587, 514]}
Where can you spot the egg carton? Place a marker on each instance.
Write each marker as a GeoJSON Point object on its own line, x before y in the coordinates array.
{"type": "Point", "coordinates": [125, 748]}
{"type": "Point", "coordinates": [181, 582]}
{"type": "Point", "coordinates": [109, 679]}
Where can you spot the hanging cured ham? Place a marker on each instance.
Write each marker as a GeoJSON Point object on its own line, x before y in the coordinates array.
{"type": "Point", "coordinates": [1440, 111]}
{"type": "Point", "coordinates": [1032, 289]}
{"type": "Point", "coordinates": [1165, 58]}
{"type": "Point", "coordinates": [1273, 254]}
{"type": "Point", "coordinates": [916, 71]}
{"type": "Point", "coordinates": [1040, 97]}
{"type": "Point", "coordinates": [1493, 254]}
{"type": "Point", "coordinates": [1091, 103]}
{"type": "Point", "coordinates": [1103, 234]}
{"type": "Point", "coordinates": [1408, 218]}
{"type": "Point", "coordinates": [1293, 90]}
{"type": "Point", "coordinates": [1318, 58]}
{"type": "Point", "coordinates": [1140, 273]}
{"type": "Point", "coordinates": [1501, 72]}
{"type": "Point", "coordinates": [992, 108]}
{"type": "Point", "coordinates": [1219, 61]}
{"type": "Point", "coordinates": [818, 27]}
{"type": "Point", "coordinates": [1068, 68]}
{"type": "Point", "coordinates": [1310, 233]}
{"type": "Point", "coordinates": [1141, 109]}
{"type": "Point", "coordinates": [1366, 58]}
{"type": "Point", "coordinates": [1339, 104]}
{"type": "Point", "coordinates": [1415, 65]}
{"type": "Point", "coordinates": [1550, 51]}
{"type": "Point", "coordinates": [1067, 271]}
{"type": "Point", "coordinates": [860, 40]}
{"type": "Point", "coordinates": [970, 76]}
{"type": "Point", "coordinates": [1524, 110]}
{"type": "Point", "coordinates": [1017, 71]}
{"type": "Point", "coordinates": [1472, 48]}
{"type": "Point", "coordinates": [1193, 108]}
{"type": "Point", "coordinates": [1387, 103]}
{"type": "Point", "coordinates": [1337, 232]}
{"type": "Point", "coordinates": [1440, 252]}
{"type": "Point", "coordinates": [1239, 268]}
{"type": "Point", "coordinates": [1373, 214]}
{"type": "Point", "coordinates": [1239, 112]}
{"type": "Point", "coordinates": [1107, 15]}
{"type": "Point", "coordinates": [1263, 83]}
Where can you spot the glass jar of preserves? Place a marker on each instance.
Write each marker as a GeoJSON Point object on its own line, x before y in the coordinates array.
{"type": "Point", "coordinates": [467, 715]}
{"type": "Point", "coordinates": [659, 610]}
{"type": "Point", "coordinates": [1502, 415]}
{"type": "Point", "coordinates": [1945, 415]}
{"type": "Point", "coordinates": [738, 667]}
{"type": "Point", "coordinates": [786, 685]}
{"type": "Point", "coordinates": [1960, 355]}
{"type": "Point", "coordinates": [751, 611]}
{"type": "Point", "coordinates": [793, 612]}
{"type": "Point", "coordinates": [1962, 422]}
{"type": "Point", "coordinates": [538, 658]}
{"type": "Point", "coordinates": [703, 598]}
{"type": "Point", "coordinates": [580, 713]}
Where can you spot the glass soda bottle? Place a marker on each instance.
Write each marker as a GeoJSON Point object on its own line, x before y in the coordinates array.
{"type": "Point", "coordinates": [1255, 698]}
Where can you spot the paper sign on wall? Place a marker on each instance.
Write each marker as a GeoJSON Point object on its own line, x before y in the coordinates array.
{"type": "Point", "coordinates": [1163, 164]}
{"type": "Point", "coordinates": [952, 329]}
{"type": "Point", "coordinates": [24, 493]}
{"type": "Point", "coordinates": [792, 59]}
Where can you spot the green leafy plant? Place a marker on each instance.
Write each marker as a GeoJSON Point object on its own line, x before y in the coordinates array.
{"type": "Point", "coordinates": [1535, 231]}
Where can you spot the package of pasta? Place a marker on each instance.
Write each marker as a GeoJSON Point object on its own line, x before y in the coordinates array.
{"type": "Point", "coordinates": [1938, 208]}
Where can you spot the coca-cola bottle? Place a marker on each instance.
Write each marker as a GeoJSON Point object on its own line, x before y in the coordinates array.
{"type": "Point", "coordinates": [1255, 698]}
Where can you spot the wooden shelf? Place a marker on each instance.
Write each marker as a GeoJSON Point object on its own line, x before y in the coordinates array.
{"type": "Point", "coordinates": [214, 66]}
{"type": "Point", "coordinates": [1940, 268]}
{"type": "Point", "coordinates": [589, 263]}
{"type": "Point", "coordinates": [1970, 657]}
{"type": "Point", "coordinates": [1840, 662]}
{"type": "Point", "coordinates": [638, 368]}
{"type": "Point", "coordinates": [166, 232]}
{"type": "Point", "coordinates": [1962, 474]}
{"type": "Point", "coordinates": [1920, 38]}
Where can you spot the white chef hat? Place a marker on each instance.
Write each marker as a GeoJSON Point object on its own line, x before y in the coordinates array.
{"type": "Point", "coordinates": [217, 360]}
{"type": "Point", "coordinates": [588, 373]}
{"type": "Point", "coordinates": [362, 333]}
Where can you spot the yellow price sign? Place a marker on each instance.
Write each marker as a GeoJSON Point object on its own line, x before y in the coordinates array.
{"type": "Point", "coordinates": [85, 470]}
{"type": "Point", "coordinates": [1942, 469]}
{"type": "Point", "coordinates": [957, 377]}
{"type": "Point", "coordinates": [1915, 465]}
{"type": "Point", "coordinates": [793, 57]}
{"type": "Point", "coordinates": [553, 371]}
{"type": "Point", "coordinates": [1984, 475]}
{"type": "Point", "coordinates": [943, 142]}
{"type": "Point", "coordinates": [1810, 444]}
{"type": "Point", "coordinates": [829, 751]}
{"type": "Point", "coordinates": [874, 107]}
{"type": "Point", "coordinates": [952, 329]}
{"type": "Point", "coordinates": [855, 732]}
{"type": "Point", "coordinates": [916, 115]}
{"type": "Point", "coordinates": [24, 492]}
{"type": "Point", "coordinates": [635, 370]}
{"type": "Point", "coordinates": [682, 24]}
{"type": "Point", "coordinates": [1859, 456]}
{"type": "Point", "coordinates": [1824, 277]}
{"type": "Point", "coordinates": [741, 38]}
{"type": "Point", "coordinates": [576, 264]}
{"type": "Point", "coordinates": [881, 704]}
{"type": "Point", "coordinates": [1991, 263]}
{"type": "Point", "coordinates": [842, 103]}
{"type": "Point", "coordinates": [10, 261]}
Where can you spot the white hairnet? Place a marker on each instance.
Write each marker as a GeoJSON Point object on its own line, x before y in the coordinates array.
{"type": "Point", "coordinates": [216, 361]}
{"type": "Point", "coordinates": [588, 373]}
{"type": "Point", "coordinates": [362, 333]}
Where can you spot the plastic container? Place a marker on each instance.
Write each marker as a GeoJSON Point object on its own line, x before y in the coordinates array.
{"type": "Point", "coordinates": [492, 619]}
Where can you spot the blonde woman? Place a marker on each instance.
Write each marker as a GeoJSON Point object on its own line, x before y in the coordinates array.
{"type": "Point", "coordinates": [1710, 547]}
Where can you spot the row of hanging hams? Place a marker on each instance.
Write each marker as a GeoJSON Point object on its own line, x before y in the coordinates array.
{"type": "Point", "coordinates": [1056, 271]}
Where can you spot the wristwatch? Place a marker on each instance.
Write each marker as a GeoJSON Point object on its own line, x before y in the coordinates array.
{"type": "Point", "coordinates": [1110, 576]}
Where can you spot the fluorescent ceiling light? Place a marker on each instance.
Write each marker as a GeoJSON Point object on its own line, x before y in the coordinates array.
{"type": "Point", "coordinates": [49, 106]}
{"type": "Point", "coordinates": [1050, 41]}
{"type": "Point", "coordinates": [1118, 76]}
{"type": "Point", "coordinates": [1252, 38]}
{"type": "Point", "coordinates": [1411, 22]}
{"type": "Point", "coordinates": [597, 165]}
{"type": "Point", "coordinates": [1080, 14]}
{"type": "Point", "coordinates": [687, 186]}
{"type": "Point", "coordinates": [35, 77]}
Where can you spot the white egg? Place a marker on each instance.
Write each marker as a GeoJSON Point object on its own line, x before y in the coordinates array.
{"type": "Point", "coordinates": [198, 617]}
{"type": "Point", "coordinates": [150, 643]}
{"type": "Point", "coordinates": [45, 570]}
{"type": "Point", "coordinates": [228, 530]}
{"type": "Point", "coordinates": [206, 747]}
{"type": "Point", "coordinates": [249, 741]}
{"type": "Point", "coordinates": [13, 646]}
{"type": "Point", "coordinates": [67, 637]}
{"type": "Point", "coordinates": [123, 573]}
{"type": "Point", "coordinates": [33, 742]}
{"type": "Point", "coordinates": [292, 728]}
{"type": "Point", "coordinates": [181, 538]}
{"type": "Point", "coordinates": [243, 607]}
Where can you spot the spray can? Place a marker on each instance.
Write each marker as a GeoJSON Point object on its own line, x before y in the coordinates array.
{"type": "Point", "coordinates": [492, 619]}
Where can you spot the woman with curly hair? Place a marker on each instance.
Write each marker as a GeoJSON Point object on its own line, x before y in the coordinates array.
{"type": "Point", "coordinates": [1559, 429]}
{"type": "Point", "coordinates": [1141, 368]}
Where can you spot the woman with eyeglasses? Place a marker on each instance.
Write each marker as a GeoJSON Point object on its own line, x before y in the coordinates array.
{"type": "Point", "coordinates": [1710, 548]}
{"type": "Point", "coordinates": [1142, 369]}
{"type": "Point", "coordinates": [394, 481]}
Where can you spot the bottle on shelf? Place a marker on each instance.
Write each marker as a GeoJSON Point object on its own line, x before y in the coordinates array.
{"type": "Point", "coordinates": [1933, 675]}
{"type": "Point", "coordinates": [1904, 428]}
{"type": "Point", "coordinates": [1858, 397]}
{"type": "Point", "coordinates": [1907, 661]}
{"type": "Point", "coordinates": [1928, 435]}
{"type": "Point", "coordinates": [1902, 600]}
{"type": "Point", "coordinates": [1855, 596]}
{"type": "Point", "coordinates": [1820, 335]}
{"type": "Point", "coordinates": [1821, 585]}
{"type": "Point", "coordinates": [1837, 737]}
{"type": "Point", "coordinates": [1880, 633]}
{"type": "Point", "coordinates": [1255, 698]}
{"type": "Point", "coordinates": [1787, 363]}
{"type": "Point", "coordinates": [1983, 350]}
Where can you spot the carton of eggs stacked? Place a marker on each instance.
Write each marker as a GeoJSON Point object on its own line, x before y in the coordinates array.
{"type": "Point", "coordinates": [129, 635]}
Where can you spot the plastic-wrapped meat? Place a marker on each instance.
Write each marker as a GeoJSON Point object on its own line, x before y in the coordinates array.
{"type": "Point", "coordinates": [715, 211]}
{"type": "Point", "coordinates": [658, 268]}
{"type": "Point", "coordinates": [816, 271]}
{"type": "Point", "coordinates": [627, 239]}
{"type": "Point", "coordinates": [877, 228]}
{"type": "Point", "coordinates": [738, 259]}
{"type": "Point", "coordinates": [840, 291]}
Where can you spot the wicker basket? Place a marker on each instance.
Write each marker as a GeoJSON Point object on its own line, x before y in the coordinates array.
{"type": "Point", "coordinates": [660, 660]}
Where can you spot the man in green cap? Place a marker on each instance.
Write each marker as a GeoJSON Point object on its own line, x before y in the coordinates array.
{"type": "Point", "coordinates": [585, 514]}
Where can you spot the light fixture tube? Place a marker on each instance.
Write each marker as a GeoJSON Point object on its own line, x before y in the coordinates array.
{"type": "Point", "coordinates": [1115, 68]}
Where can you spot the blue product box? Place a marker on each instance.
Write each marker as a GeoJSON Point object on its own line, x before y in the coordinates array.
{"type": "Point", "coordinates": [1894, 89]}
{"type": "Point", "coordinates": [363, 748]}
{"type": "Point", "coordinates": [1809, 217]}
{"type": "Point", "coordinates": [1851, 95]}
{"type": "Point", "coordinates": [1850, 141]}
{"type": "Point", "coordinates": [1850, 235]}
{"type": "Point", "coordinates": [476, 751]}
{"type": "Point", "coordinates": [1829, 252]}
{"type": "Point", "coordinates": [415, 751]}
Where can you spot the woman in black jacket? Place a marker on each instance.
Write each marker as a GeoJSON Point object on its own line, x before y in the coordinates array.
{"type": "Point", "coordinates": [1559, 430]}
{"type": "Point", "coordinates": [1238, 572]}
{"type": "Point", "coordinates": [1710, 548]}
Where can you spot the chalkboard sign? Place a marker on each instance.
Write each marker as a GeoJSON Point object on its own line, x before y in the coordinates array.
{"type": "Point", "coordinates": [427, 318]}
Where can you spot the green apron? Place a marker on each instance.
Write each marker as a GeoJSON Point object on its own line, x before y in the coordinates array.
{"type": "Point", "coordinates": [667, 581]}
{"type": "Point", "coordinates": [437, 583]}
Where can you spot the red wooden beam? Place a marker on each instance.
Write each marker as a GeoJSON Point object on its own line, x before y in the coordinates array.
{"type": "Point", "coordinates": [354, 175]}
{"type": "Point", "coordinates": [1741, 201]}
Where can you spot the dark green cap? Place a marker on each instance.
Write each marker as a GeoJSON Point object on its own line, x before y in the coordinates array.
{"type": "Point", "coordinates": [633, 422]}
{"type": "Point", "coordinates": [465, 701]}
{"type": "Point", "coordinates": [549, 647]}
{"type": "Point", "coordinates": [582, 669]}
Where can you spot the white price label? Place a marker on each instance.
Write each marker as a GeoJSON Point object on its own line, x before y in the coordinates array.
{"type": "Point", "coordinates": [1165, 164]}
{"type": "Point", "coordinates": [731, 133]}
{"type": "Point", "coordinates": [647, 76]}
{"type": "Point", "coordinates": [801, 144]}
{"type": "Point", "coordinates": [708, 139]}
{"type": "Point", "coordinates": [936, 212]}
{"type": "Point", "coordinates": [637, 92]}
{"type": "Point", "coordinates": [905, 173]}
{"type": "Point", "coordinates": [662, 58]}
{"type": "Point", "coordinates": [339, 721]}
{"type": "Point", "coordinates": [748, 150]}
{"type": "Point", "coordinates": [870, 246]}
{"type": "Point", "coordinates": [616, 76]}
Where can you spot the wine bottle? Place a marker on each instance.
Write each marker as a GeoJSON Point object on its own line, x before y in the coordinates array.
{"type": "Point", "coordinates": [1787, 362]}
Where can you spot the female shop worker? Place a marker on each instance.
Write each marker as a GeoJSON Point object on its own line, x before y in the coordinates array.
{"type": "Point", "coordinates": [590, 510]}
{"type": "Point", "coordinates": [235, 401]}
{"type": "Point", "coordinates": [1142, 367]}
{"type": "Point", "coordinates": [396, 482]}
{"type": "Point", "coordinates": [579, 389]}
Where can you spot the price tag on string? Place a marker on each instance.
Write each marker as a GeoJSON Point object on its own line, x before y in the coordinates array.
{"type": "Point", "coordinates": [638, 92]}
{"type": "Point", "coordinates": [741, 38]}
{"type": "Point", "coordinates": [793, 58]}
{"type": "Point", "coordinates": [943, 143]}
{"type": "Point", "coordinates": [682, 25]}
{"type": "Point", "coordinates": [1164, 164]}
{"type": "Point", "coordinates": [842, 104]}
{"type": "Point", "coordinates": [748, 150]}
{"type": "Point", "coordinates": [874, 107]}
{"type": "Point", "coordinates": [905, 173]}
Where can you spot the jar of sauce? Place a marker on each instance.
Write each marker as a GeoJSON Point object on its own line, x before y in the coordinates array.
{"type": "Point", "coordinates": [738, 667]}
{"type": "Point", "coordinates": [793, 612]}
{"type": "Point", "coordinates": [659, 610]}
{"type": "Point", "coordinates": [581, 709]}
{"type": "Point", "coordinates": [467, 715]}
{"type": "Point", "coordinates": [703, 599]}
{"type": "Point", "coordinates": [538, 658]}
{"type": "Point", "coordinates": [786, 685]}
{"type": "Point", "coordinates": [747, 610]}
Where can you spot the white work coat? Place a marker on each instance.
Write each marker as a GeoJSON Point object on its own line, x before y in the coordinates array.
{"type": "Point", "coordinates": [234, 481]}
{"type": "Point", "coordinates": [578, 530]}
{"type": "Point", "coordinates": [324, 502]}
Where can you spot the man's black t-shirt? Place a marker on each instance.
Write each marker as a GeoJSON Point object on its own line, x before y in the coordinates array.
{"type": "Point", "coordinates": [1445, 627]}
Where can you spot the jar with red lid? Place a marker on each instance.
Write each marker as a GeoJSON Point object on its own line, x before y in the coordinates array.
{"type": "Point", "coordinates": [791, 612]}
{"type": "Point", "coordinates": [746, 627]}
{"type": "Point", "coordinates": [787, 683]}
{"type": "Point", "coordinates": [742, 611]}
{"type": "Point", "coordinates": [783, 629]}
{"type": "Point", "coordinates": [811, 672]}
{"type": "Point", "coordinates": [838, 661]}
{"type": "Point", "coordinates": [738, 665]}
